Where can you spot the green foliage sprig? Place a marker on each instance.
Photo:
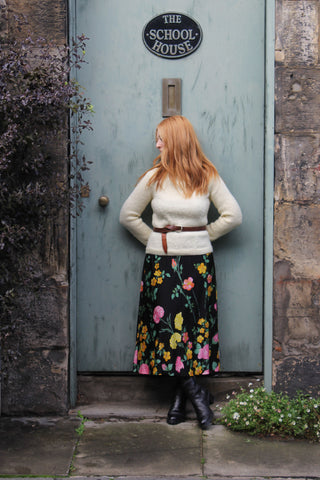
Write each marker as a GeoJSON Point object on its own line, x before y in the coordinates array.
{"type": "Point", "coordinates": [258, 412]}
{"type": "Point", "coordinates": [80, 429]}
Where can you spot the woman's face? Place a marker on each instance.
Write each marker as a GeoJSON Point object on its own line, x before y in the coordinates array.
{"type": "Point", "coordinates": [159, 142]}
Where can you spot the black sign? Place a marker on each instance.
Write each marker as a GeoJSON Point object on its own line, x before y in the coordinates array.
{"type": "Point", "coordinates": [172, 35]}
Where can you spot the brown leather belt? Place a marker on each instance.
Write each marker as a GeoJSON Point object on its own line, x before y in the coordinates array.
{"type": "Point", "coordinates": [175, 228]}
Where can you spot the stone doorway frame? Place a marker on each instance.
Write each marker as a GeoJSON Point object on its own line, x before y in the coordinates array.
{"type": "Point", "coordinates": [268, 211]}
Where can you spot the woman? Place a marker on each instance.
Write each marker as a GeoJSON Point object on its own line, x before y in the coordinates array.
{"type": "Point", "coordinates": [177, 332]}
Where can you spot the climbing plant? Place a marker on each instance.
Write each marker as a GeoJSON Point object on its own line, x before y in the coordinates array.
{"type": "Point", "coordinates": [38, 97]}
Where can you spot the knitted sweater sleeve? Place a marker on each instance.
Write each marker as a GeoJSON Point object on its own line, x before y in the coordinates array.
{"type": "Point", "coordinates": [227, 206]}
{"type": "Point", "coordinates": [130, 214]}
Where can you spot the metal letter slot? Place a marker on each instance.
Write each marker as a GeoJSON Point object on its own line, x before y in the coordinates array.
{"type": "Point", "coordinates": [171, 97]}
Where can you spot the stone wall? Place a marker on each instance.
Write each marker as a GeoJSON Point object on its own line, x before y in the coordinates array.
{"type": "Point", "coordinates": [36, 381]}
{"type": "Point", "coordinates": [296, 322]}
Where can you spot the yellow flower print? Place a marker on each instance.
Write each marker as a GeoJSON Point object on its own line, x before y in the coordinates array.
{"type": "Point", "coordinates": [202, 330]}
{"type": "Point", "coordinates": [209, 290]}
{"type": "Point", "coordinates": [207, 324]}
{"type": "Point", "coordinates": [139, 355]}
{"type": "Point", "coordinates": [198, 371]}
{"type": "Point", "coordinates": [153, 354]}
{"type": "Point", "coordinates": [190, 373]}
{"type": "Point", "coordinates": [156, 266]}
{"type": "Point", "coordinates": [202, 268]}
{"type": "Point", "coordinates": [206, 334]}
{"type": "Point", "coordinates": [156, 342]}
{"type": "Point", "coordinates": [154, 371]}
{"type": "Point", "coordinates": [176, 337]}
{"type": "Point", "coordinates": [195, 363]}
{"type": "Point", "coordinates": [153, 281]}
{"type": "Point", "coordinates": [201, 321]}
{"type": "Point", "coordinates": [161, 345]}
{"type": "Point", "coordinates": [159, 280]}
{"type": "Point", "coordinates": [166, 356]}
{"type": "Point", "coordinates": [144, 329]}
{"type": "Point", "coordinates": [143, 346]}
{"type": "Point", "coordinates": [178, 321]}
{"type": "Point", "coordinates": [200, 339]}
{"type": "Point", "coordinates": [157, 273]}
{"type": "Point", "coordinates": [189, 354]}
{"type": "Point", "coordinates": [152, 363]}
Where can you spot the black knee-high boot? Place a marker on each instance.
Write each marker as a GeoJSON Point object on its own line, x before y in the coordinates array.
{"type": "Point", "coordinates": [200, 399]}
{"type": "Point", "coordinates": [177, 411]}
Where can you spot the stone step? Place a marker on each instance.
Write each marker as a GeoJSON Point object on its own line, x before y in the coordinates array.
{"type": "Point", "coordinates": [93, 389]}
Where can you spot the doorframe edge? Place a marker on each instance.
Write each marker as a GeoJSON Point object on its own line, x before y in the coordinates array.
{"type": "Point", "coordinates": [268, 190]}
{"type": "Point", "coordinates": [72, 247]}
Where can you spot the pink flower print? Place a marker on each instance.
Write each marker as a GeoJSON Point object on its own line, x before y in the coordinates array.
{"type": "Point", "coordinates": [135, 358]}
{"type": "Point", "coordinates": [188, 284]}
{"type": "Point", "coordinates": [204, 352]}
{"type": "Point", "coordinates": [144, 369]}
{"type": "Point", "coordinates": [190, 345]}
{"type": "Point", "coordinates": [164, 366]}
{"type": "Point", "coordinates": [185, 337]}
{"type": "Point", "coordinates": [216, 338]}
{"type": "Point", "coordinates": [217, 369]}
{"type": "Point", "coordinates": [179, 364]}
{"type": "Point", "coordinates": [173, 263]}
{"type": "Point", "coordinates": [215, 307]}
{"type": "Point", "coordinates": [209, 278]}
{"type": "Point", "coordinates": [206, 372]}
{"type": "Point", "coordinates": [141, 287]}
{"type": "Point", "coordinates": [158, 313]}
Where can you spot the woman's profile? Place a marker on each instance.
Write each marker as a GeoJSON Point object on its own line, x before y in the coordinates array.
{"type": "Point", "coordinates": [177, 329]}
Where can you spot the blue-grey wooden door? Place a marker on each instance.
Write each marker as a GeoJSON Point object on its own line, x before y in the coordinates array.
{"type": "Point", "coordinates": [223, 96]}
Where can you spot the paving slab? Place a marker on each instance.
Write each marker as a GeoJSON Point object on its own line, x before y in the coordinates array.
{"type": "Point", "coordinates": [191, 477]}
{"type": "Point", "coordinates": [148, 449]}
{"type": "Point", "coordinates": [234, 454]}
{"type": "Point", "coordinates": [152, 449]}
{"type": "Point", "coordinates": [37, 446]}
{"type": "Point", "coordinates": [160, 477]}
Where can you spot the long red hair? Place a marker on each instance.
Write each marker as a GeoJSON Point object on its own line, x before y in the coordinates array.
{"type": "Point", "coordinates": [182, 158]}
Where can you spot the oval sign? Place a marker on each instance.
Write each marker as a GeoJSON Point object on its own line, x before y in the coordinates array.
{"type": "Point", "coordinates": [172, 35]}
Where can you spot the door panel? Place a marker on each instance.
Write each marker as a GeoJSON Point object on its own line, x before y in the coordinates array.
{"type": "Point", "coordinates": [223, 97]}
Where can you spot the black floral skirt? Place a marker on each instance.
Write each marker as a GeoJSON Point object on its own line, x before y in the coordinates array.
{"type": "Point", "coordinates": [177, 332]}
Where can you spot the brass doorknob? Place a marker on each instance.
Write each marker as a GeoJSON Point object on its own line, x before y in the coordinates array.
{"type": "Point", "coordinates": [103, 201]}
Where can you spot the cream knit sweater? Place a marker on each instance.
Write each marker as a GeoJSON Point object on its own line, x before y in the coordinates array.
{"type": "Point", "coordinates": [171, 207]}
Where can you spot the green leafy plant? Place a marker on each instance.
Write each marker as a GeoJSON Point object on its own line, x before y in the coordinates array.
{"type": "Point", "coordinates": [258, 412]}
{"type": "Point", "coordinates": [80, 429]}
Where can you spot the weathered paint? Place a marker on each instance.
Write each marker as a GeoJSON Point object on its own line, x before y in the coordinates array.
{"type": "Point", "coordinates": [223, 95]}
